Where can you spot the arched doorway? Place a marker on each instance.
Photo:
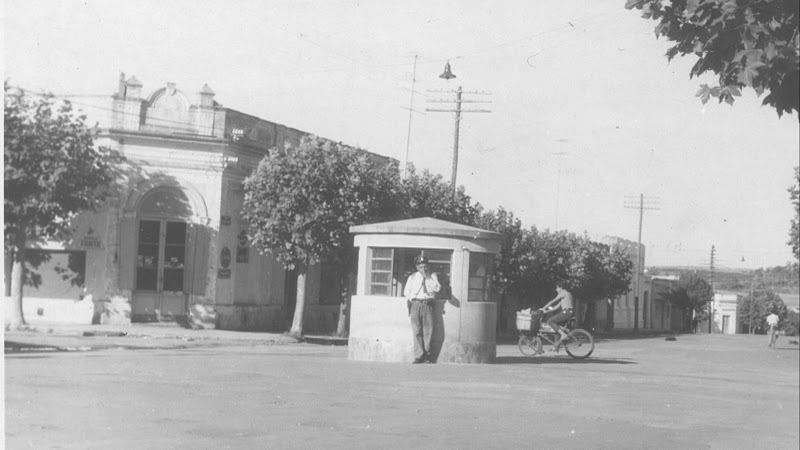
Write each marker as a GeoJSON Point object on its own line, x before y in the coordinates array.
{"type": "Point", "coordinates": [160, 292]}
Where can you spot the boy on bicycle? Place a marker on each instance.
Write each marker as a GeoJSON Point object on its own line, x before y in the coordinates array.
{"type": "Point", "coordinates": [564, 301]}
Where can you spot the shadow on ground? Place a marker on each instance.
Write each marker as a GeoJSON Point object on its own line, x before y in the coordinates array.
{"type": "Point", "coordinates": [558, 360]}
{"type": "Point", "coordinates": [24, 347]}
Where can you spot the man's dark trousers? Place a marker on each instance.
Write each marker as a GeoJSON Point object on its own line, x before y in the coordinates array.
{"type": "Point", "coordinates": [422, 327]}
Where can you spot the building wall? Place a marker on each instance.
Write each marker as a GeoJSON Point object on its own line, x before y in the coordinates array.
{"type": "Point", "coordinates": [724, 315]}
{"type": "Point", "coordinates": [628, 312]}
{"type": "Point", "coordinates": [190, 143]}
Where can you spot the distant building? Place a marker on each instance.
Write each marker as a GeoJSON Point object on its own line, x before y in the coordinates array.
{"type": "Point", "coordinates": [666, 316]}
{"type": "Point", "coordinates": [172, 245]}
{"type": "Point", "coordinates": [632, 310]}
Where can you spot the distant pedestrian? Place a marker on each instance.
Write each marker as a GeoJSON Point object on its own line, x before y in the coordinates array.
{"type": "Point", "coordinates": [772, 322]}
{"type": "Point", "coordinates": [421, 288]}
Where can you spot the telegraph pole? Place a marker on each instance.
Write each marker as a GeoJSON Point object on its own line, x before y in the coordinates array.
{"type": "Point", "coordinates": [637, 283]}
{"type": "Point", "coordinates": [560, 154]}
{"type": "Point", "coordinates": [410, 112]}
{"type": "Point", "coordinates": [456, 108]}
{"type": "Point", "coordinates": [711, 303]}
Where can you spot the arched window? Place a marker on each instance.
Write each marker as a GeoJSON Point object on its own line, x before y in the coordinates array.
{"type": "Point", "coordinates": [165, 201]}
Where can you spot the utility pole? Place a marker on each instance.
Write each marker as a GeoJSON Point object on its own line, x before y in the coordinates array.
{"type": "Point", "coordinates": [457, 110]}
{"type": "Point", "coordinates": [410, 112]}
{"type": "Point", "coordinates": [629, 204]}
{"type": "Point", "coordinates": [560, 155]}
{"type": "Point", "coordinates": [711, 303]}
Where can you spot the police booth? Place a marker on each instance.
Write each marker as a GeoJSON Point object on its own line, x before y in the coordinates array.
{"type": "Point", "coordinates": [465, 312]}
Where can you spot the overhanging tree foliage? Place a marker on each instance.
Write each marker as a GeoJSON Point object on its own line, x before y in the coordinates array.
{"type": "Point", "coordinates": [301, 202]}
{"type": "Point", "coordinates": [746, 43]}
{"type": "Point", "coordinates": [52, 173]}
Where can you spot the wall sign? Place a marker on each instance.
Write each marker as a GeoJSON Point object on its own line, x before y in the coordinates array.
{"type": "Point", "coordinates": [225, 262]}
{"type": "Point", "coordinates": [225, 257]}
{"type": "Point", "coordinates": [91, 240]}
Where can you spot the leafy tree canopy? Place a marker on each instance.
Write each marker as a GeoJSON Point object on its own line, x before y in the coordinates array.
{"type": "Point", "coordinates": [746, 43]}
{"type": "Point", "coordinates": [692, 294]}
{"type": "Point", "coordinates": [300, 202]}
{"type": "Point", "coordinates": [752, 310]}
{"type": "Point", "coordinates": [52, 170]}
{"type": "Point", "coordinates": [424, 194]}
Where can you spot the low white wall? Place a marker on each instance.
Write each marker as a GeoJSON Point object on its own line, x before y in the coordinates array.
{"type": "Point", "coordinates": [48, 310]}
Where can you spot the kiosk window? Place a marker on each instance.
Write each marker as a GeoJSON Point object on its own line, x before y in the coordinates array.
{"type": "Point", "coordinates": [389, 268]}
{"type": "Point", "coordinates": [381, 265]}
{"type": "Point", "coordinates": [480, 277]}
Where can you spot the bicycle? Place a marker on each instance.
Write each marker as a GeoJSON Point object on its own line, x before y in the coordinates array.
{"type": "Point", "coordinates": [533, 333]}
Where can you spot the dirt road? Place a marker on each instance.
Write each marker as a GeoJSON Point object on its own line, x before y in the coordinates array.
{"type": "Point", "coordinates": [701, 391]}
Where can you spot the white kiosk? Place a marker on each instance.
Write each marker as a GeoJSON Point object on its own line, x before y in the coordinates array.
{"type": "Point", "coordinates": [465, 313]}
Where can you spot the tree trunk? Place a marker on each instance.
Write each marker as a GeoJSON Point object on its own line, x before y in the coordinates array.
{"type": "Point", "coordinates": [15, 319]}
{"type": "Point", "coordinates": [347, 288]}
{"type": "Point", "coordinates": [8, 258]}
{"type": "Point", "coordinates": [299, 307]}
{"type": "Point", "coordinates": [344, 311]}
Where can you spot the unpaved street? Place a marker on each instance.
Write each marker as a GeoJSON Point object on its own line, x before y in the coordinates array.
{"type": "Point", "coordinates": [700, 391]}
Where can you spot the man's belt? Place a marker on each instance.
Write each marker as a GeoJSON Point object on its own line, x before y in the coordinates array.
{"type": "Point", "coordinates": [422, 300]}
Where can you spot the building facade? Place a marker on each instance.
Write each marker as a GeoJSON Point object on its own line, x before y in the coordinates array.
{"type": "Point", "coordinates": [724, 320]}
{"type": "Point", "coordinates": [632, 310]}
{"type": "Point", "coordinates": [171, 244]}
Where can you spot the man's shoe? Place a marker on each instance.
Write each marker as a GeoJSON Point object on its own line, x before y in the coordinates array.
{"type": "Point", "coordinates": [418, 361]}
{"type": "Point", "coordinates": [428, 361]}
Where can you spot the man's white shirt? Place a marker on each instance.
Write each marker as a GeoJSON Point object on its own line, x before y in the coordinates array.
{"type": "Point", "coordinates": [419, 287]}
{"type": "Point", "coordinates": [772, 319]}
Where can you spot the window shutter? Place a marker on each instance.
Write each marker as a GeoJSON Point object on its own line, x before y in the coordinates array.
{"type": "Point", "coordinates": [128, 237]}
{"type": "Point", "coordinates": [197, 256]}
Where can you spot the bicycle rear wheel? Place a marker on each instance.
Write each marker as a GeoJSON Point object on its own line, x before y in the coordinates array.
{"type": "Point", "coordinates": [530, 346]}
{"type": "Point", "coordinates": [579, 344]}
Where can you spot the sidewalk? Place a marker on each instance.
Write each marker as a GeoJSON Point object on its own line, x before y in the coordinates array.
{"type": "Point", "coordinates": [72, 337]}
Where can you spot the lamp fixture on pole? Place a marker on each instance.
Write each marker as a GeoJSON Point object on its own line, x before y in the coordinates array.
{"type": "Point", "coordinates": [447, 74]}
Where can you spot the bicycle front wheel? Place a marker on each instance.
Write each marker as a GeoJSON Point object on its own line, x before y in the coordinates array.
{"type": "Point", "coordinates": [579, 344]}
{"type": "Point", "coordinates": [530, 346]}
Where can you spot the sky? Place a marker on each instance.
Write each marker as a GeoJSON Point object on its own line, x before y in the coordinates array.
{"type": "Point", "coordinates": [586, 113]}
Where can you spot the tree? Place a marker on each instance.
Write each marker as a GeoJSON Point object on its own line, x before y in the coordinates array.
{"type": "Point", "coordinates": [427, 195]}
{"type": "Point", "coordinates": [794, 232]}
{"type": "Point", "coordinates": [752, 310]}
{"type": "Point", "coordinates": [692, 295]}
{"type": "Point", "coordinates": [52, 173]}
{"type": "Point", "coordinates": [301, 202]}
{"type": "Point", "coordinates": [511, 266]}
{"type": "Point", "coordinates": [792, 325]}
{"type": "Point", "coordinates": [590, 270]}
{"type": "Point", "coordinates": [751, 43]}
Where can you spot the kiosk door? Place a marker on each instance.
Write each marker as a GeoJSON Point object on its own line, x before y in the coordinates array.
{"type": "Point", "coordinates": [160, 263]}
